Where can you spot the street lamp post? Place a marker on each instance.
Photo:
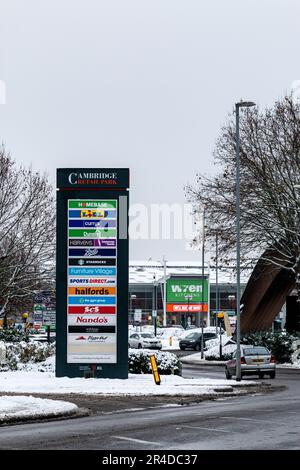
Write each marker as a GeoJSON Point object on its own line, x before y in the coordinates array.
{"type": "Point", "coordinates": [202, 293]}
{"type": "Point", "coordinates": [132, 296]}
{"type": "Point", "coordinates": [154, 310]}
{"type": "Point", "coordinates": [241, 104]}
{"type": "Point", "coordinates": [188, 298]}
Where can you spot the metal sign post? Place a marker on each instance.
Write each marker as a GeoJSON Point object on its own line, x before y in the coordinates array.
{"type": "Point", "coordinates": [92, 272]}
{"type": "Point", "coordinates": [220, 315]}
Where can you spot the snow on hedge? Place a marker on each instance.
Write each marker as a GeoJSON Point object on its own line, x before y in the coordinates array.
{"type": "Point", "coordinates": [214, 353]}
{"type": "Point", "coordinates": [139, 362]}
{"type": "Point", "coordinates": [19, 355]}
{"type": "Point", "coordinates": [25, 355]}
{"type": "Point", "coordinates": [213, 343]}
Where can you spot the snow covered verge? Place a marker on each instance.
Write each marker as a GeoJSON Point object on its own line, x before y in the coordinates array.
{"type": "Point", "coordinates": [36, 381]}
{"type": "Point", "coordinates": [18, 408]}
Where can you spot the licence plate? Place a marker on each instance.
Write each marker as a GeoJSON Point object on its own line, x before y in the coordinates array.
{"type": "Point", "coordinates": [257, 360]}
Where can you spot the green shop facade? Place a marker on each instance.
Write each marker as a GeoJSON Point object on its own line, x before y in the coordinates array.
{"type": "Point", "coordinates": [192, 299]}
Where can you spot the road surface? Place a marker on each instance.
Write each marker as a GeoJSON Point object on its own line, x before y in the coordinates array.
{"type": "Point", "coordinates": [270, 421]}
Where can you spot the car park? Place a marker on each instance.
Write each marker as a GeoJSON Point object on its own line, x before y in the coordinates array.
{"type": "Point", "coordinates": [193, 340]}
{"type": "Point", "coordinates": [173, 331]}
{"type": "Point", "coordinates": [255, 360]}
{"type": "Point", "coordinates": [144, 340]}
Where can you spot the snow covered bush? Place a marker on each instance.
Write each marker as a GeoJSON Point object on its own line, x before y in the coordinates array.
{"type": "Point", "coordinates": [139, 362]}
{"type": "Point", "coordinates": [18, 354]}
{"type": "Point", "coordinates": [213, 354]}
{"type": "Point", "coordinates": [213, 343]}
{"type": "Point", "coordinates": [11, 335]}
{"type": "Point", "coordinates": [279, 343]}
{"type": "Point", "coordinates": [212, 346]}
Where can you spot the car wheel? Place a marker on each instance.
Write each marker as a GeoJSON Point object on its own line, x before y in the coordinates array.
{"type": "Point", "coordinates": [182, 348]}
{"type": "Point", "coordinates": [272, 375]}
{"type": "Point", "coordinates": [140, 346]}
{"type": "Point", "coordinates": [197, 347]}
{"type": "Point", "coordinates": [227, 374]}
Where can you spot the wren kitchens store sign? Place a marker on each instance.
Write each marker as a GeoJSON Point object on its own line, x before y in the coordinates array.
{"type": "Point", "coordinates": [92, 272]}
{"type": "Point", "coordinates": [187, 294]}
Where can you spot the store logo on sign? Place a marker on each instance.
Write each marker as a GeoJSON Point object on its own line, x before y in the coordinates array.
{"type": "Point", "coordinates": [92, 339]}
{"type": "Point", "coordinates": [90, 213]}
{"type": "Point", "coordinates": [92, 309]}
{"type": "Point", "coordinates": [81, 262]}
{"type": "Point", "coordinates": [185, 288]}
{"type": "Point", "coordinates": [91, 252]}
{"type": "Point", "coordinates": [91, 320]}
{"type": "Point", "coordinates": [87, 213]}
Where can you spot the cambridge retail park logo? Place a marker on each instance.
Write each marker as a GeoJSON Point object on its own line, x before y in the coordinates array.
{"type": "Point", "coordinates": [93, 178]}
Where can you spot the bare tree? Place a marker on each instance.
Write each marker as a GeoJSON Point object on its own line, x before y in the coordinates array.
{"type": "Point", "coordinates": [270, 169]}
{"type": "Point", "coordinates": [27, 230]}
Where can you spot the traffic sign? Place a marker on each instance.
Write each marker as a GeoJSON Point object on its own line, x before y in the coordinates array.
{"type": "Point", "coordinates": [49, 318]}
{"type": "Point", "coordinates": [138, 314]}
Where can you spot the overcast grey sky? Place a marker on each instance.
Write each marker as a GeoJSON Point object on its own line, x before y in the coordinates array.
{"type": "Point", "coordinates": [139, 84]}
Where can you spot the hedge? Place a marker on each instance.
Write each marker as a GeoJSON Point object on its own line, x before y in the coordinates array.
{"type": "Point", "coordinates": [139, 362]}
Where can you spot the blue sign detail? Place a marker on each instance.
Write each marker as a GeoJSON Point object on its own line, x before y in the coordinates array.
{"type": "Point", "coordinates": [92, 271]}
{"type": "Point", "coordinates": [92, 223]}
{"type": "Point", "coordinates": [92, 300]}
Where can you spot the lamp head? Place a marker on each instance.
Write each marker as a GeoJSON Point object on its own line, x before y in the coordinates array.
{"type": "Point", "coordinates": [245, 104]}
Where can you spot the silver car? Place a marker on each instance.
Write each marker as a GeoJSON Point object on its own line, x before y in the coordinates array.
{"type": "Point", "coordinates": [144, 340]}
{"type": "Point", "coordinates": [255, 360]}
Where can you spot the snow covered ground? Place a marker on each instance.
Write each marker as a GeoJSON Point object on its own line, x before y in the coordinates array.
{"type": "Point", "coordinates": [33, 380]}
{"type": "Point", "coordinates": [21, 407]}
{"type": "Point", "coordinates": [168, 345]}
{"type": "Point", "coordinates": [295, 365]}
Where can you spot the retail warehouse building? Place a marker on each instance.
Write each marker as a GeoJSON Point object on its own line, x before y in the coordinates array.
{"type": "Point", "coordinates": [191, 297]}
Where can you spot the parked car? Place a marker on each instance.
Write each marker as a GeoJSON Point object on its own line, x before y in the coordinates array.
{"type": "Point", "coordinates": [144, 340]}
{"type": "Point", "coordinates": [255, 360]}
{"type": "Point", "coordinates": [193, 340]}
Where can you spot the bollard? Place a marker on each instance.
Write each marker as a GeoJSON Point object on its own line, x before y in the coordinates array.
{"type": "Point", "coordinates": [170, 340]}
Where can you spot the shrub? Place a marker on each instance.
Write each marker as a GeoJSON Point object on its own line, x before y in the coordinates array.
{"type": "Point", "coordinates": [213, 354]}
{"type": "Point", "coordinates": [11, 335]}
{"type": "Point", "coordinates": [18, 354]}
{"type": "Point", "coordinates": [139, 362]}
{"type": "Point", "coordinates": [279, 343]}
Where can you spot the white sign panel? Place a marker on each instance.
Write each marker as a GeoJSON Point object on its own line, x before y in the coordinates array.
{"type": "Point", "coordinates": [92, 281]}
